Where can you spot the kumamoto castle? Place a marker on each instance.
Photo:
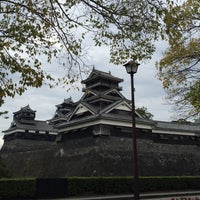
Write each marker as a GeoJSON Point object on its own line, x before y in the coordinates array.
{"type": "Point", "coordinates": [92, 137]}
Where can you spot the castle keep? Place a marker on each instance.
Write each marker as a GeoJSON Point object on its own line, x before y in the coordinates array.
{"type": "Point", "coordinates": [92, 137]}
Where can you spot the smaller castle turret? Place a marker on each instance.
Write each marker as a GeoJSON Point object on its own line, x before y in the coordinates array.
{"type": "Point", "coordinates": [66, 106]}
{"type": "Point", "coordinates": [24, 126]}
{"type": "Point", "coordinates": [25, 113]}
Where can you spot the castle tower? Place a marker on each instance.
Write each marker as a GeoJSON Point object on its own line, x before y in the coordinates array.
{"type": "Point", "coordinates": [24, 126]}
{"type": "Point", "coordinates": [25, 113]}
{"type": "Point", "coordinates": [102, 109]}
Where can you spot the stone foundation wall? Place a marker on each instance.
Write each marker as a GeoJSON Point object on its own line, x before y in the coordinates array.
{"type": "Point", "coordinates": [98, 156]}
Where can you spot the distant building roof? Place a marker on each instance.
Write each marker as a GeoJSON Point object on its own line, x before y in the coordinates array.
{"type": "Point", "coordinates": [24, 120]}
{"type": "Point", "coordinates": [176, 127]}
{"type": "Point", "coordinates": [35, 125]}
{"type": "Point", "coordinates": [25, 109]}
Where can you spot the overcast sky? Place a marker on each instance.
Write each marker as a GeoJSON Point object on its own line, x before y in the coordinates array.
{"type": "Point", "coordinates": [148, 90]}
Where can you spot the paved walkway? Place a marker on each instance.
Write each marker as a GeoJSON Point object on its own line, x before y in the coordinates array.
{"type": "Point", "coordinates": [186, 195]}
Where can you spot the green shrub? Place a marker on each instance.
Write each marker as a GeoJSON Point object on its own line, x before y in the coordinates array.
{"type": "Point", "coordinates": [26, 188]}
{"type": "Point", "coordinates": [168, 183]}
{"type": "Point", "coordinates": [17, 188]}
{"type": "Point", "coordinates": [117, 185]}
{"type": "Point", "coordinates": [99, 185]}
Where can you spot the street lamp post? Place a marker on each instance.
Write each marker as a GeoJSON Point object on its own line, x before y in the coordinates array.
{"type": "Point", "coordinates": [131, 68]}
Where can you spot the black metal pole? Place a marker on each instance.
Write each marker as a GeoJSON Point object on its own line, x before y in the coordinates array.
{"type": "Point", "coordinates": [134, 137]}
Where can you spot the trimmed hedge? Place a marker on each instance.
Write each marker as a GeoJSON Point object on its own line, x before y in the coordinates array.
{"type": "Point", "coordinates": [76, 186]}
{"type": "Point", "coordinates": [122, 185]}
{"type": "Point", "coordinates": [17, 188]}
{"type": "Point", "coordinates": [99, 185]}
{"type": "Point", "coordinates": [174, 183]}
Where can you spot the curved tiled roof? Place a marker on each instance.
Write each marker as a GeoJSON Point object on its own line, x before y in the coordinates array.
{"type": "Point", "coordinates": [106, 75]}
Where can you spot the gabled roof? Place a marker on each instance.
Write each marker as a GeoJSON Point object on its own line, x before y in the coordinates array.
{"type": "Point", "coordinates": [176, 127]}
{"type": "Point", "coordinates": [106, 75]}
{"type": "Point", "coordinates": [109, 95]}
{"type": "Point", "coordinates": [67, 101]}
{"type": "Point", "coordinates": [59, 114]}
{"type": "Point", "coordinates": [25, 109]}
{"type": "Point", "coordinates": [121, 104]}
{"type": "Point", "coordinates": [114, 92]}
{"type": "Point", "coordinates": [63, 110]}
{"type": "Point", "coordinates": [88, 93]}
{"type": "Point", "coordinates": [82, 108]}
{"type": "Point", "coordinates": [36, 125]}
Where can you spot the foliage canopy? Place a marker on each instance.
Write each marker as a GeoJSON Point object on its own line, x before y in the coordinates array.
{"type": "Point", "coordinates": [144, 112]}
{"type": "Point", "coordinates": [36, 31]}
{"type": "Point", "coordinates": [179, 69]}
